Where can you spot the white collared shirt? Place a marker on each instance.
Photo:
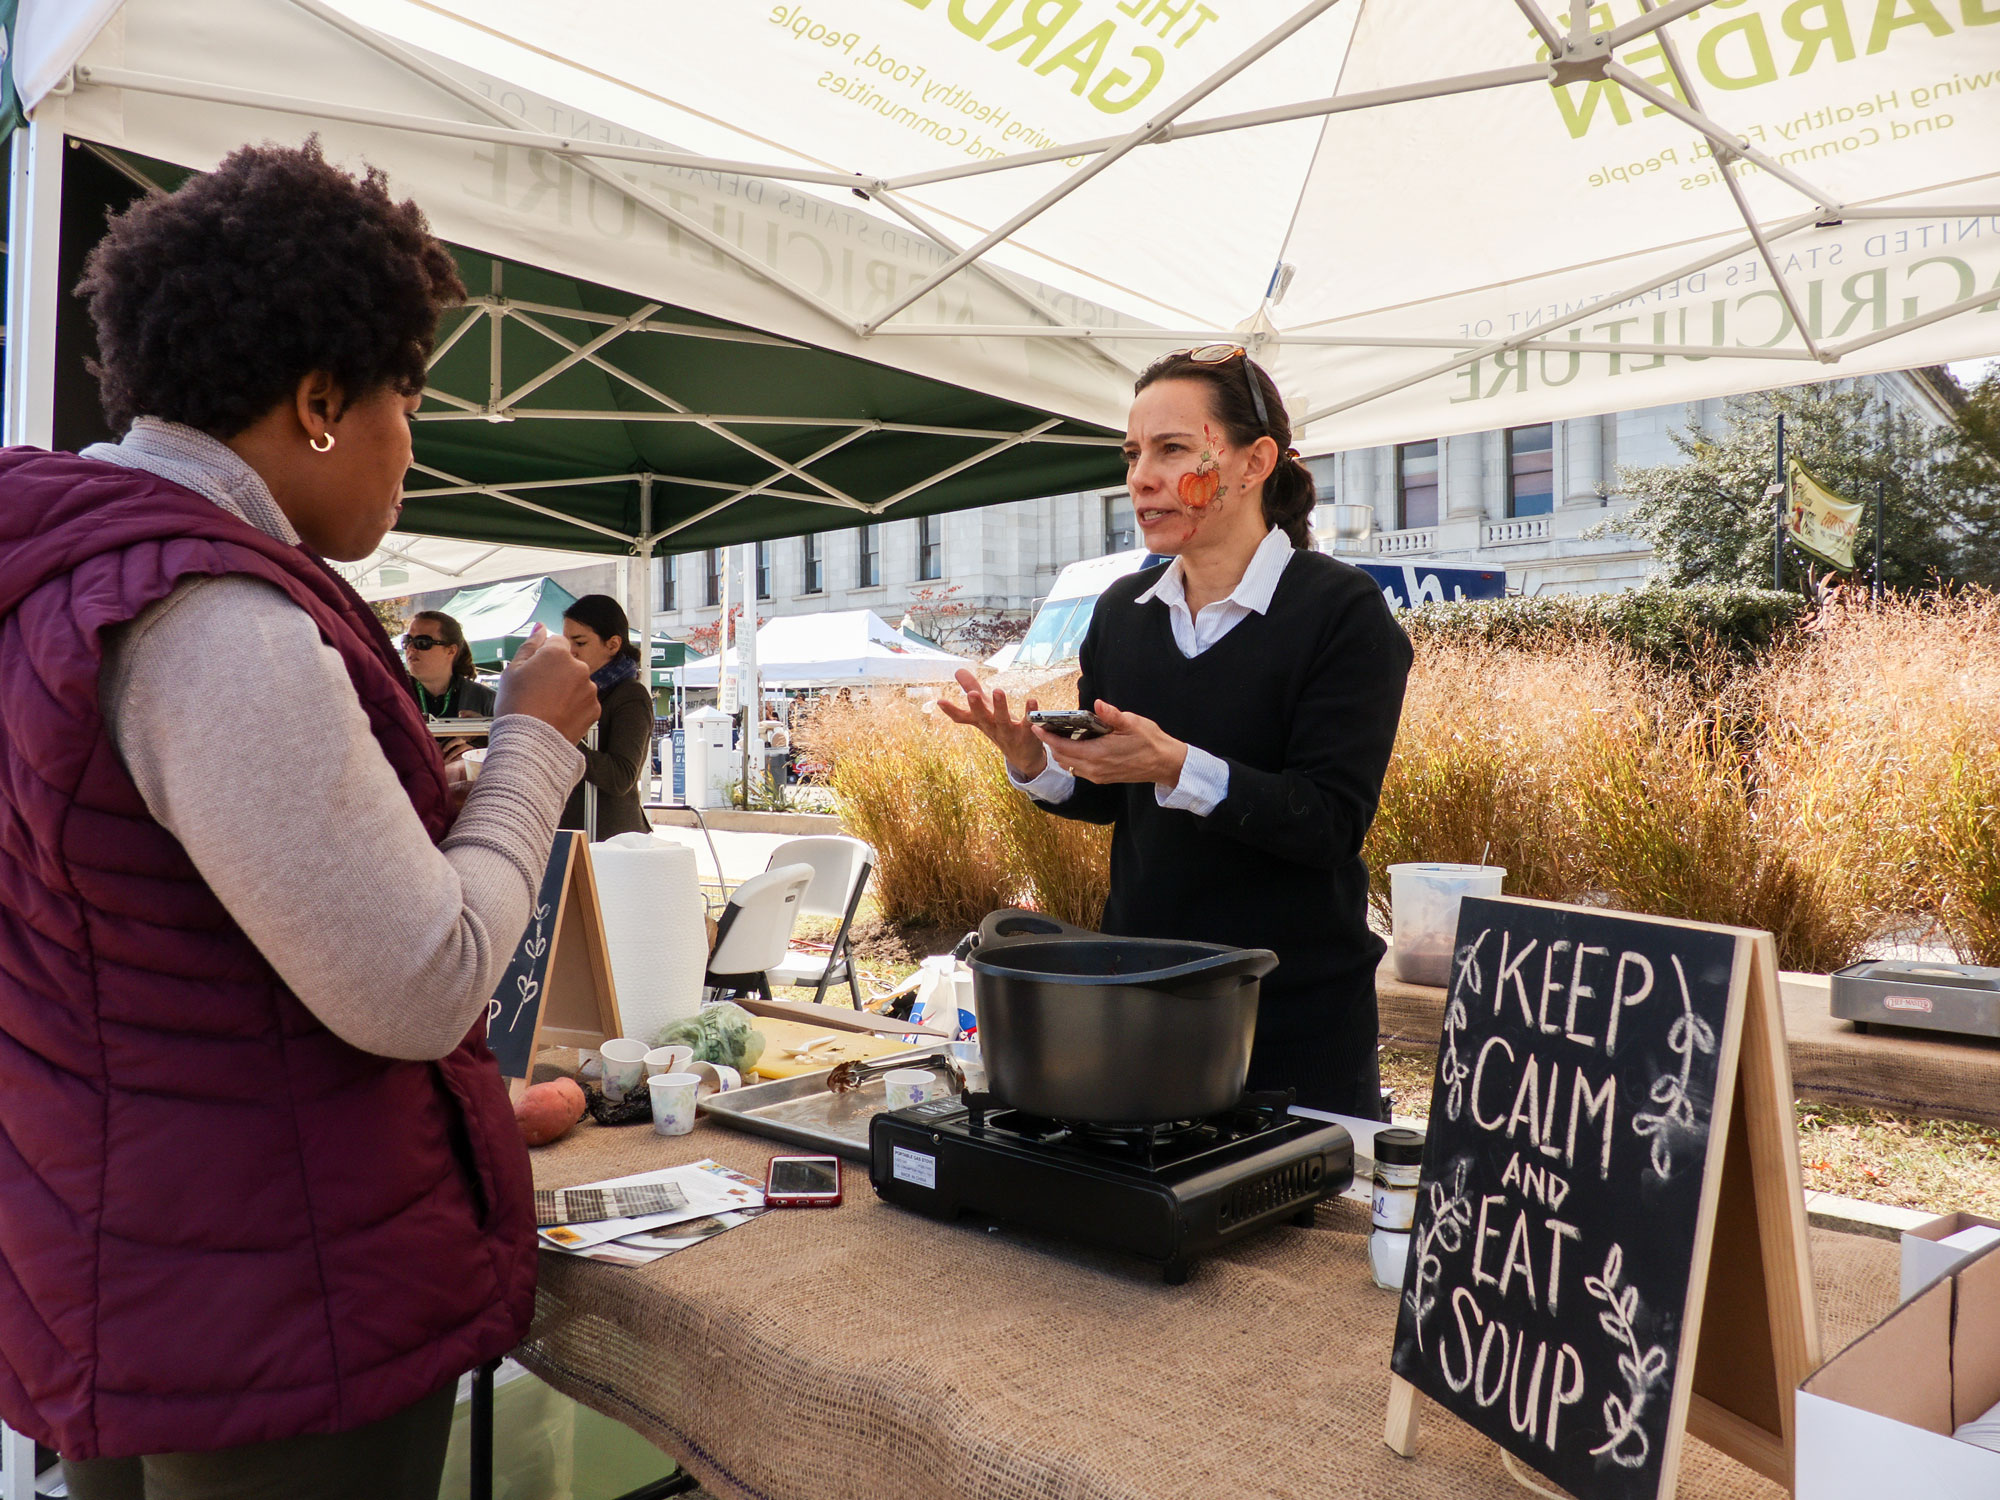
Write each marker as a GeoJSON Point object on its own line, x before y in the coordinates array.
{"type": "Point", "coordinates": [1204, 781]}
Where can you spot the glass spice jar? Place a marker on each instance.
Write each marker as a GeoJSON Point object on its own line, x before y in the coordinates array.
{"type": "Point", "coordinates": [1399, 1156]}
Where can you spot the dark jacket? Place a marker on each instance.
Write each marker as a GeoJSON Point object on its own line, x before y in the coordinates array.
{"type": "Point", "coordinates": [464, 696]}
{"type": "Point", "coordinates": [1302, 702]}
{"type": "Point", "coordinates": [223, 1224]}
{"type": "Point", "coordinates": [624, 752]}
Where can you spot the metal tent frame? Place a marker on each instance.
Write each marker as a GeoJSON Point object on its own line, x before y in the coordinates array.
{"type": "Point", "coordinates": [1577, 55]}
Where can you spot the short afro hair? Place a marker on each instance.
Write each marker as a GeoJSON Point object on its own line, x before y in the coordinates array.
{"type": "Point", "coordinates": [212, 302]}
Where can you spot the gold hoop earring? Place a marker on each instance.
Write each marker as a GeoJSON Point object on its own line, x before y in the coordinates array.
{"type": "Point", "coordinates": [318, 447]}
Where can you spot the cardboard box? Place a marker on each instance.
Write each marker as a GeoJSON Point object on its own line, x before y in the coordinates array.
{"type": "Point", "coordinates": [1925, 1257]}
{"type": "Point", "coordinates": [1875, 1422]}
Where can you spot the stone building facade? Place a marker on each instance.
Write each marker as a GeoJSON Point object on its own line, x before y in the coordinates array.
{"type": "Point", "coordinates": [1517, 499]}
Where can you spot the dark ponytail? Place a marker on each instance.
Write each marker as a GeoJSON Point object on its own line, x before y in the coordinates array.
{"type": "Point", "coordinates": [1289, 494]}
{"type": "Point", "coordinates": [604, 617]}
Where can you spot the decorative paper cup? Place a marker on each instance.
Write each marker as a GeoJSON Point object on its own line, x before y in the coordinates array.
{"type": "Point", "coordinates": [908, 1086]}
{"type": "Point", "coordinates": [624, 1067]}
{"type": "Point", "coordinates": [668, 1060]}
{"type": "Point", "coordinates": [673, 1102]}
{"type": "Point", "coordinates": [716, 1078]}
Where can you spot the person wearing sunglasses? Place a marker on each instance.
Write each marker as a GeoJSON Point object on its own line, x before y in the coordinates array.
{"type": "Point", "coordinates": [1251, 688]}
{"type": "Point", "coordinates": [441, 674]}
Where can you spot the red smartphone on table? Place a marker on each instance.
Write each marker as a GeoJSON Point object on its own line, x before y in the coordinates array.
{"type": "Point", "coordinates": [802, 1182]}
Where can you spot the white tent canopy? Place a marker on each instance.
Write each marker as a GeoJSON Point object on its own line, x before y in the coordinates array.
{"type": "Point", "coordinates": [404, 565]}
{"type": "Point", "coordinates": [838, 648]}
{"type": "Point", "coordinates": [1431, 215]}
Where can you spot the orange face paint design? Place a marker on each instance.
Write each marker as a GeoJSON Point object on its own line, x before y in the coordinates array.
{"type": "Point", "coordinates": [1199, 486]}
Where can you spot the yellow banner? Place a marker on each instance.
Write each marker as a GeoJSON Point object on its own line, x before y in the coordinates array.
{"type": "Point", "coordinates": [1818, 520]}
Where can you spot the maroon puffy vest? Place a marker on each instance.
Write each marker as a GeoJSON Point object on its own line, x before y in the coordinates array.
{"type": "Point", "coordinates": [219, 1223]}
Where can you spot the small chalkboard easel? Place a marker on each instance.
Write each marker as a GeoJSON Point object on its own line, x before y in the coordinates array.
{"type": "Point", "coordinates": [1610, 1246]}
{"type": "Point", "coordinates": [557, 990]}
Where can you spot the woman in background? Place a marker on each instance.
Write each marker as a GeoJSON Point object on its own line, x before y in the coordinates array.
{"type": "Point", "coordinates": [440, 663]}
{"type": "Point", "coordinates": [600, 637]}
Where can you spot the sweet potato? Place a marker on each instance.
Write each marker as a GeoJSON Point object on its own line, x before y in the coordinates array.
{"type": "Point", "coordinates": [546, 1111]}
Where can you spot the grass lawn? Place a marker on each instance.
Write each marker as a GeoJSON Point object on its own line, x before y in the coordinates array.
{"type": "Point", "coordinates": [1935, 1165]}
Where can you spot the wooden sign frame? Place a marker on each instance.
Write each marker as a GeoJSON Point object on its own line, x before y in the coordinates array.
{"type": "Point", "coordinates": [575, 998]}
{"type": "Point", "coordinates": [1750, 1334]}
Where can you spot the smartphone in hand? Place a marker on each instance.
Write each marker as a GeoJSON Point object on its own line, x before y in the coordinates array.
{"type": "Point", "coordinates": [1070, 723]}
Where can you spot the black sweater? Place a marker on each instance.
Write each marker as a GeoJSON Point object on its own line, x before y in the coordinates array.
{"type": "Point", "coordinates": [1302, 702]}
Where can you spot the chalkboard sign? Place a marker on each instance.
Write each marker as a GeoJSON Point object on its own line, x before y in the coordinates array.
{"type": "Point", "coordinates": [557, 988]}
{"type": "Point", "coordinates": [1587, 1082]}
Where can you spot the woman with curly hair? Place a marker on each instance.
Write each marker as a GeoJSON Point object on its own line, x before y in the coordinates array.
{"type": "Point", "coordinates": [266, 1199]}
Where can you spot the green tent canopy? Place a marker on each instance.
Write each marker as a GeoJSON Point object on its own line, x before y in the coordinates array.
{"type": "Point", "coordinates": [566, 414]}
{"type": "Point", "coordinates": [497, 618]}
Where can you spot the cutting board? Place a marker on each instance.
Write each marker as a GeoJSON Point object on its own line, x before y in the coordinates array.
{"type": "Point", "coordinates": [846, 1046]}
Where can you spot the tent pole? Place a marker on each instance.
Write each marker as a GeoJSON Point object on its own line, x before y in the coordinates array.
{"type": "Point", "coordinates": [1778, 536]}
{"type": "Point", "coordinates": [639, 590]}
{"type": "Point", "coordinates": [33, 276]}
{"type": "Point", "coordinates": [746, 666]}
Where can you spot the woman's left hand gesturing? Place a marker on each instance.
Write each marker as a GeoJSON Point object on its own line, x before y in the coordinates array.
{"type": "Point", "coordinates": [1136, 749]}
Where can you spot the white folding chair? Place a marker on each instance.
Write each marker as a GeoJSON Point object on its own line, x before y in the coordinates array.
{"type": "Point", "coordinates": [754, 930]}
{"type": "Point", "coordinates": [841, 867]}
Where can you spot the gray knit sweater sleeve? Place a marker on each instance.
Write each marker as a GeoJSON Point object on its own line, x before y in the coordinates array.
{"type": "Point", "coordinates": [249, 744]}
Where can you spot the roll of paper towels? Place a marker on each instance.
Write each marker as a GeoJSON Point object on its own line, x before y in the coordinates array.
{"type": "Point", "coordinates": [651, 892]}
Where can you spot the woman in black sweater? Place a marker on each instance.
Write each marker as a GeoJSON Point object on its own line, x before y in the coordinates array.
{"type": "Point", "coordinates": [598, 634]}
{"type": "Point", "coordinates": [1252, 688]}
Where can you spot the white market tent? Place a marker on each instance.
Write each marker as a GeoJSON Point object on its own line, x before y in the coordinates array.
{"type": "Point", "coordinates": [1389, 196]}
{"type": "Point", "coordinates": [1429, 216]}
{"type": "Point", "coordinates": [404, 565]}
{"type": "Point", "coordinates": [837, 648]}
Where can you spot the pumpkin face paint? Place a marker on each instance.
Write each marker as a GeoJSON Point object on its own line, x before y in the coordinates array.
{"type": "Point", "coordinates": [1200, 485]}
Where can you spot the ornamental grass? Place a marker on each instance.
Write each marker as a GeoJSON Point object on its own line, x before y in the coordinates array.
{"type": "Point", "coordinates": [1844, 786]}
{"type": "Point", "coordinates": [1877, 761]}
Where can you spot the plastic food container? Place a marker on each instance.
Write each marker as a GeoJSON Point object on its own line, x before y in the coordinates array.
{"type": "Point", "coordinates": [1423, 901]}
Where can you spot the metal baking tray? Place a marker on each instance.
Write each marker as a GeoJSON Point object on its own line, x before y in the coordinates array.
{"type": "Point", "coordinates": [801, 1111]}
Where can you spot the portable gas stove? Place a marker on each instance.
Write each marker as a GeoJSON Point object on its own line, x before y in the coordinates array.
{"type": "Point", "coordinates": [1166, 1193]}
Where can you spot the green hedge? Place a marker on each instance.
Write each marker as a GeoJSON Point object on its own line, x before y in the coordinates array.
{"type": "Point", "coordinates": [1680, 628]}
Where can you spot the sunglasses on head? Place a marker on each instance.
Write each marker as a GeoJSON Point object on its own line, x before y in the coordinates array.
{"type": "Point", "coordinates": [422, 642]}
{"type": "Point", "coordinates": [1221, 354]}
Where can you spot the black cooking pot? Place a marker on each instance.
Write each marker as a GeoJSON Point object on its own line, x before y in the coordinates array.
{"type": "Point", "coordinates": [1075, 1025]}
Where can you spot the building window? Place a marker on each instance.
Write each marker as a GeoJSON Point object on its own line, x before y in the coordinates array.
{"type": "Point", "coordinates": [930, 547]}
{"type": "Point", "coordinates": [1531, 470]}
{"type": "Point", "coordinates": [1416, 485]}
{"type": "Point", "coordinates": [666, 593]}
{"type": "Point", "coordinates": [1121, 529]}
{"type": "Point", "coordinates": [711, 577]}
{"type": "Point", "coordinates": [868, 562]}
{"type": "Point", "coordinates": [814, 571]}
{"type": "Point", "coordinates": [763, 570]}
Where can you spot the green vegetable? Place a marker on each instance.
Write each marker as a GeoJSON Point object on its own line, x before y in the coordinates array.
{"type": "Point", "coordinates": [724, 1034]}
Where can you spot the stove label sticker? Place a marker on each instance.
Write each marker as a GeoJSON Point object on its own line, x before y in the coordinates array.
{"type": "Point", "coordinates": [913, 1167]}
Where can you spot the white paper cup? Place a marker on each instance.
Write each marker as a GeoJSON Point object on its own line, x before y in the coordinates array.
{"type": "Point", "coordinates": [624, 1067]}
{"type": "Point", "coordinates": [668, 1060]}
{"type": "Point", "coordinates": [673, 1102]}
{"type": "Point", "coordinates": [908, 1086]}
{"type": "Point", "coordinates": [716, 1078]}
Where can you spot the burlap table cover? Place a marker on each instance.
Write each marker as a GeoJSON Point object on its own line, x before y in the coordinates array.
{"type": "Point", "coordinates": [1905, 1071]}
{"type": "Point", "coordinates": [867, 1353]}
